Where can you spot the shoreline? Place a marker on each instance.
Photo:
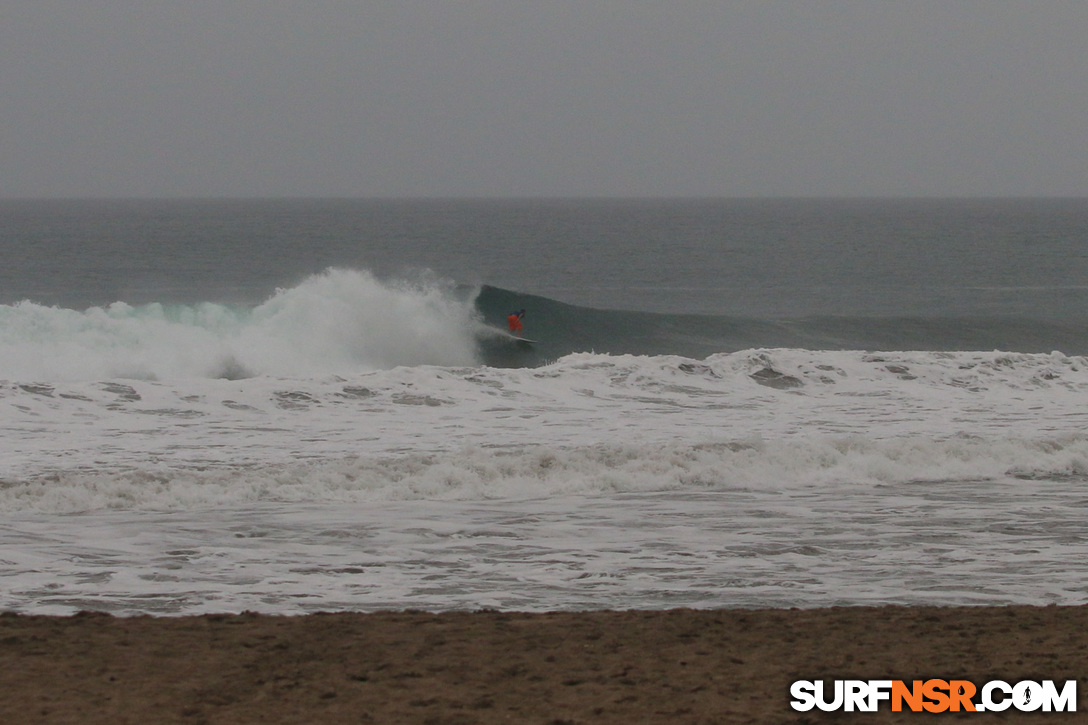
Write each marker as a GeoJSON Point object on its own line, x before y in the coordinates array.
{"type": "Point", "coordinates": [661, 666]}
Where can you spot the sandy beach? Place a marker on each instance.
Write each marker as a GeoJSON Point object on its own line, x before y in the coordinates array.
{"type": "Point", "coordinates": [677, 666]}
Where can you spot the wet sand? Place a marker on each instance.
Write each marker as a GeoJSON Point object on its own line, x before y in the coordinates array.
{"type": "Point", "coordinates": [678, 666]}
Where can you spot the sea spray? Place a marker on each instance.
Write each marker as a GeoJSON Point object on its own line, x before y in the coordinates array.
{"type": "Point", "coordinates": [337, 322]}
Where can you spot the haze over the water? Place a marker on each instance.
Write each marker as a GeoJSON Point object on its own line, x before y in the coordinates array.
{"type": "Point", "coordinates": [120, 98]}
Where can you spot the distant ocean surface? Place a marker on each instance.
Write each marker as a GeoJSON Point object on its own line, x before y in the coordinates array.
{"type": "Point", "coordinates": [301, 405]}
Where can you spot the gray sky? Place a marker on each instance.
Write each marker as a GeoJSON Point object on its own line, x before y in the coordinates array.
{"type": "Point", "coordinates": [543, 98]}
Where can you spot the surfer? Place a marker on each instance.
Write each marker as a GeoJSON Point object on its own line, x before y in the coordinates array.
{"type": "Point", "coordinates": [514, 320]}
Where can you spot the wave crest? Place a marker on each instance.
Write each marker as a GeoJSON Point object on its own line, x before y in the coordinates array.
{"type": "Point", "coordinates": [337, 322]}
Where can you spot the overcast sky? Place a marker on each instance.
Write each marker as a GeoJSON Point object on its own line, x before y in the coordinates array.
{"type": "Point", "coordinates": [543, 98]}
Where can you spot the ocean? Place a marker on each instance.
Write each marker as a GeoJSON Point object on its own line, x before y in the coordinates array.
{"type": "Point", "coordinates": [291, 406]}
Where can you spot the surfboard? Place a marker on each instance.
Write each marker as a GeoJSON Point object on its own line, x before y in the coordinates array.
{"type": "Point", "coordinates": [515, 338]}
{"type": "Point", "coordinates": [512, 336]}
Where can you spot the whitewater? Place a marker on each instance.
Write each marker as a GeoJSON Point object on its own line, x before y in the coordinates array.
{"type": "Point", "coordinates": [345, 445]}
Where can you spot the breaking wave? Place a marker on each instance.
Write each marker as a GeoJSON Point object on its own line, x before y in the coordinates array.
{"type": "Point", "coordinates": [341, 321]}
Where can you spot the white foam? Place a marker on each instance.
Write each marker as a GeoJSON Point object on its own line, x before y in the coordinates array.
{"type": "Point", "coordinates": [992, 542]}
{"type": "Point", "coordinates": [844, 464]}
{"type": "Point", "coordinates": [339, 321]}
{"type": "Point", "coordinates": [585, 424]}
{"type": "Point", "coordinates": [760, 478]}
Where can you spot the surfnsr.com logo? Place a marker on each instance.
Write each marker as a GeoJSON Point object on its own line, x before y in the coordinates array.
{"type": "Point", "coordinates": [934, 696]}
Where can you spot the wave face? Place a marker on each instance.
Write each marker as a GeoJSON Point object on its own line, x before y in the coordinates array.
{"type": "Point", "coordinates": [341, 321]}
{"type": "Point", "coordinates": [563, 329]}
